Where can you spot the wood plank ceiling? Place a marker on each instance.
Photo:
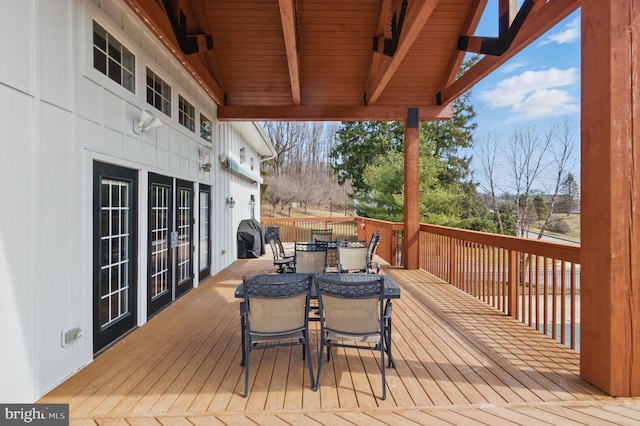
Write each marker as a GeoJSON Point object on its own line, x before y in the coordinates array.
{"type": "Point", "coordinates": [337, 59]}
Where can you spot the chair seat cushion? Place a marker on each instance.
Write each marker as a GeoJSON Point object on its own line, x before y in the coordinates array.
{"type": "Point", "coordinates": [367, 338]}
{"type": "Point", "coordinates": [264, 338]}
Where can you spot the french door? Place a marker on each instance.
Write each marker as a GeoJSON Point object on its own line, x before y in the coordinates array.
{"type": "Point", "coordinates": [204, 232]}
{"type": "Point", "coordinates": [170, 246]}
{"type": "Point", "coordinates": [114, 253]}
{"type": "Point", "coordinates": [159, 277]}
{"type": "Point", "coordinates": [184, 229]}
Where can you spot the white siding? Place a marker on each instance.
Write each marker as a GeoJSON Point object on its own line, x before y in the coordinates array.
{"type": "Point", "coordinates": [58, 115]}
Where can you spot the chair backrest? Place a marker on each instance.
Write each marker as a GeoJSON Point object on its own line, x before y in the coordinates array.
{"type": "Point", "coordinates": [311, 258]}
{"type": "Point", "coordinates": [322, 234]}
{"type": "Point", "coordinates": [276, 303]}
{"type": "Point", "coordinates": [278, 252]}
{"type": "Point", "coordinates": [279, 248]}
{"type": "Point", "coordinates": [352, 256]}
{"type": "Point", "coordinates": [274, 248]}
{"type": "Point", "coordinates": [373, 245]}
{"type": "Point", "coordinates": [352, 304]}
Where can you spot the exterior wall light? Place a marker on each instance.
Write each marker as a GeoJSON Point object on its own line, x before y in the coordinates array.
{"type": "Point", "coordinates": [231, 203]}
{"type": "Point", "coordinates": [147, 121]}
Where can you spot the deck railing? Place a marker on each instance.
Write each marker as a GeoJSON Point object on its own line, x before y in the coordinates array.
{"type": "Point", "coordinates": [536, 282]}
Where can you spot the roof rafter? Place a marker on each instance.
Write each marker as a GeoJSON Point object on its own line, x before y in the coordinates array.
{"type": "Point", "coordinates": [541, 19]}
{"type": "Point", "coordinates": [157, 21]}
{"type": "Point", "coordinates": [335, 113]}
{"type": "Point", "coordinates": [288, 18]}
{"type": "Point", "coordinates": [417, 15]}
{"type": "Point", "coordinates": [469, 27]}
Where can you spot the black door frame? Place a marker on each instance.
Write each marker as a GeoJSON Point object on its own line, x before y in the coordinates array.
{"type": "Point", "coordinates": [186, 284]}
{"type": "Point", "coordinates": [205, 272]}
{"type": "Point", "coordinates": [156, 303]}
{"type": "Point", "coordinates": [107, 334]}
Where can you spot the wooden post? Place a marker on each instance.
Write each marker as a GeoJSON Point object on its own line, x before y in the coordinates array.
{"type": "Point", "coordinates": [411, 190]}
{"type": "Point", "coordinates": [610, 237]}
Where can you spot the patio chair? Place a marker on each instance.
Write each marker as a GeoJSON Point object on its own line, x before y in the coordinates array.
{"type": "Point", "coordinates": [311, 258]}
{"type": "Point", "coordinates": [322, 234]}
{"type": "Point", "coordinates": [371, 251]}
{"type": "Point", "coordinates": [281, 260]}
{"type": "Point", "coordinates": [352, 256]}
{"type": "Point", "coordinates": [351, 316]}
{"type": "Point", "coordinates": [276, 313]}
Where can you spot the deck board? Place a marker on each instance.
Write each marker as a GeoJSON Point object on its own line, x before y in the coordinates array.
{"type": "Point", "coordinates": [458, 360]}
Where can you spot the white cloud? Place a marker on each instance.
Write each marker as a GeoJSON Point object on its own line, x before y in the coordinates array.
{"type": "Point", "coordinates": [534, 94]}
{"type": "Point", "coordinates": [511, 66]}
{"type": "Point", "coordinates": [513, 90]}
{"type": "Point", "coordinates": [544, 103]}
{"type": "Point", "coordinates": [568, 34]}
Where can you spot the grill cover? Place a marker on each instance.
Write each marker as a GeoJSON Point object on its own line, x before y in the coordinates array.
{"type": "Point", "coordinates": [250, 241]}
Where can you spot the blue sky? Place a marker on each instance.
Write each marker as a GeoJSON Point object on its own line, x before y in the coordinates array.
{"type": "Point", "coordinates": [539, 84]}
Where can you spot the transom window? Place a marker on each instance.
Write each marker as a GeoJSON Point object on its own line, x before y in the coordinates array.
{"type": "Point", "coordinates": [205, 128]}
{"type": "Point", "coordinates": [158, 93]}
{"type": "Point", "coordinates": [113, 59]}
{"type": "Point", "coordinates": [186, 114]}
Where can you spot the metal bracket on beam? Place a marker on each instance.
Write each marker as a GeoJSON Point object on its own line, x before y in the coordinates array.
{"type": "Point", "coordinates": [496, 46]}
{"type": "Point", "coordinates": [390, 45]}
{"type": "Point", "coordinates": [189, 43]}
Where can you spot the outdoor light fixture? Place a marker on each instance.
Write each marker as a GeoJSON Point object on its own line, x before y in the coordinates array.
{"type": "Point", "coordinates": [147, 121]}
{"type": "Point", "coordinates": [231, 203]}
{"type": "Point", "coordinates": [205, 167]}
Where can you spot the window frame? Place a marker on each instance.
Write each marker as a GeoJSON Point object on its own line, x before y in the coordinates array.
{"type": "Point", "coordinates": [125, 66]}
{"type": "Point", "coordinates": [163, 96]}
{"type": "Point", "coordinates": [186, 114]}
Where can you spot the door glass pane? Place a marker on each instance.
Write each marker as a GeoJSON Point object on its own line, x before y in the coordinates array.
{"type": "Point", "coordinates": [115, 277]}
{"type": "Point", "coordinates": [204, 230]}
{"type": "Point", "coordinates": [159, 240]}
{"type": "Point", "coordinates": [184, 234]}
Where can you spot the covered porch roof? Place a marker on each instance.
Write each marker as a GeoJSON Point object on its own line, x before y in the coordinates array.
{"type": "Point", "coordinates": [335, 60]}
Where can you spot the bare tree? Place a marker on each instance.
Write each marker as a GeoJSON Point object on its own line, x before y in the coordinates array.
{"type": "Point", "coordinates": [538, 161]}
{"type": "Point", "coordinates": [561, 152]}
{"type": "Point", "coordinates": [286, 137]}
{"type": "Point", "coordinates": [278, 193]}
{"type": "Point", "coordinates": [307, 186]}
{"type": "Point", "coordinates": [488, 150]}
{"type": "Point", "coordinates": [527, 159]}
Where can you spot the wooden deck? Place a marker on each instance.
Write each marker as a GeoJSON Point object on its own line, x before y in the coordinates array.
{"type": "Point", "coordinates": [458, 362]}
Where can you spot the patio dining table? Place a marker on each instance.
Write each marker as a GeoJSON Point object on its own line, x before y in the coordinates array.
{"type": "Point", "coordinates": [391, 291]}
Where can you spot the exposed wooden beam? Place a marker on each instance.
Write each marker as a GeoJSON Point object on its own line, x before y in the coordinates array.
{"type": "Point", "coordinates": [469, 27]}
{"type": "Point", "coordinates": [288, 18]}
{"type": "Point", "coordinates": [540, 20]}
{"type": "Point", "coordinates": [336, 113]}
{"type": "Point", "coordinates": [384, 17]}
{"type": "Point", "coordinates": [155, 18]}
{"type": "Point", "coordinates": [508, 25]}
{"type": "Point", "coordinates": [418, 13]}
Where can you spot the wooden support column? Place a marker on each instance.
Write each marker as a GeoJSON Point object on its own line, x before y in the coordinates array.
{"type": "Point", "coordinates": [411, 232]}
{"type": "Point", "coordinates": [610, 224]}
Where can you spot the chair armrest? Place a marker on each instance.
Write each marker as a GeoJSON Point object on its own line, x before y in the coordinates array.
{"type": "Point", "coordinates": [370, 267]}
{"type": "Point", "coordinates": [388, 307]}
